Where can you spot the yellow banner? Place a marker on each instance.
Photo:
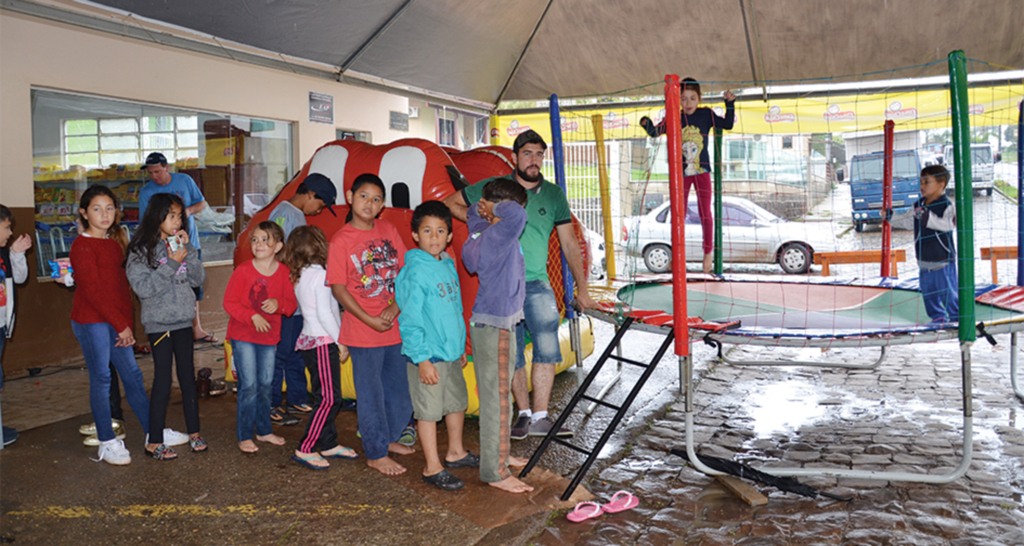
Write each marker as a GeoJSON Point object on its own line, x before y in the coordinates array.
{"type": "Point", "coordinates": [839, 114]}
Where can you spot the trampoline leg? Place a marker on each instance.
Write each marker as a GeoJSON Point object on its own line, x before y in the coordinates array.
{"type": "Point", "coordinates": [589, 408]}
{"type": "Point", "coordinates": [686, 384]}
{"type": "Point", "coordinates": [1013, 366]}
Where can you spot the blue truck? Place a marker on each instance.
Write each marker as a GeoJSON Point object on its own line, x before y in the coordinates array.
{"type": "Point", "coordinates": [866, 173]}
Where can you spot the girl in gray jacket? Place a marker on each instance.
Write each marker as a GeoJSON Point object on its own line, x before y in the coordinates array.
{"type": "Point", "coordinates": [163, 268]}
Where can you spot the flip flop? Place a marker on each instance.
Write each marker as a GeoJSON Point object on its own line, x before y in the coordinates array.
{"type": "Point", "coordinates": [208, 338]}
{"type": "Point", "coordinates": [584, 511]}
{"type": "Point", "coordinates": [621, 501]}
{"type": "Point", "coordinates": [343, 453]}
{"type": "Point", "coordinates": [305, 461]}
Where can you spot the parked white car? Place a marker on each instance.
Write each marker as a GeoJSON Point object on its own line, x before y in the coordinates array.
{"type": "Point", "coordinates": [750, 234]}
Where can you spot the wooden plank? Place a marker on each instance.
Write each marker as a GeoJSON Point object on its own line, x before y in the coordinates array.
{"type": "Point", "coordinates": [859, 257]}
{"type": "Point", "coordinates": [996, 253]}
{"type": "Point", "coordinates": [743, 490]}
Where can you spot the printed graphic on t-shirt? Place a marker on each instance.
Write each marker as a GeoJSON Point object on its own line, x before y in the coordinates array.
{"type": "Point", "coordinates": [3, 284]}
{"type": "Point", "coordinates": [258, 293]}
{"type": "Point", "coordinates": [376, 267]}
{"type": "Point", "coordinates": [182, 268]}
{"type": "Point", "coordinates": [693, 145]}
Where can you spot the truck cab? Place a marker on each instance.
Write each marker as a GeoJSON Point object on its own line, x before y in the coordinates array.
{"type": "Point", "coordinates": [866, 172]}
{"type": "Point", "coordinates": [982, 168]}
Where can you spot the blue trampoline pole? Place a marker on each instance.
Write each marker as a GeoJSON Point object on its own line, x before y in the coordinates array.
{"type": "Point", "coordinates": [1020, 193]}
{"type": "Point", "coordinates": [558, 156]}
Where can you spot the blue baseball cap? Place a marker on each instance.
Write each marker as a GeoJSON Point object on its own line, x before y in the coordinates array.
{"type": "Point", "coordinates": [323, 189]}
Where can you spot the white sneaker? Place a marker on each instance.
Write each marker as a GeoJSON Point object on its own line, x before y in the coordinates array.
{"type": "Point", "coordinates": [114, 452]}
{"type": "Point", "coordinates": [172, 438]}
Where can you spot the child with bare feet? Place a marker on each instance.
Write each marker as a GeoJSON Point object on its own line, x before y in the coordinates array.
{"type": "Point", "coordinates": [365, 256]}
{"type": "Point", "coordinates": [434, 342]}
{"type": "Point", "coordinates": [258, 294]}
{"type": "Point", "coordinates": [493, 253]}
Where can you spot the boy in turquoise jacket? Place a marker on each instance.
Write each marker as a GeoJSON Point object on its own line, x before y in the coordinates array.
{"type": "Point", "coordinates": [434, 341]}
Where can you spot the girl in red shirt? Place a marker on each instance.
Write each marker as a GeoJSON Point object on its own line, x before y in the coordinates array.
{"type": "Point", "coordinates": [362, 263]}
{"type": "Point", "coordinates": [101, 318]}
{"type": "Point", "coordinates": [258, 293]}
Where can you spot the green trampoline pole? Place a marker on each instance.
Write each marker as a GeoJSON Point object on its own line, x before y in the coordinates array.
{"type": "Point", "coordinates": [964, 191]}
{"type": "Point", "coordinates": [718, 202]}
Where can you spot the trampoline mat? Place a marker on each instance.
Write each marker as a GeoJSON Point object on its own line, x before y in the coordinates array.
{"type": "Point", "coordinates": [798, 306]}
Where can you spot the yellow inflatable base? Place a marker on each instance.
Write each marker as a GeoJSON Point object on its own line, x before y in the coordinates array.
{"type": "Point", "coordinates": [348, 389]}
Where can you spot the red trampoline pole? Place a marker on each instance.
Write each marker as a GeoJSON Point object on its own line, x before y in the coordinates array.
{"type": "Point", "coordinates": [890, 125]}
{"type": "Point", "coordinates": [673, 130]}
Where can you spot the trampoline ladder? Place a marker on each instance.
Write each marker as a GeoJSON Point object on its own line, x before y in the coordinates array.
{"type": "Point", "coordinates": [581, 394]}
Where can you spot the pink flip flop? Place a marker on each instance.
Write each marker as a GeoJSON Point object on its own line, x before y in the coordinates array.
{"type": "Point", "coordinates": [584, 511]}
{"type": "Point", "coordinates": [623, 500]}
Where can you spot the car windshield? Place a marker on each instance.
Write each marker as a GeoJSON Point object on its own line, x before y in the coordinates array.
{"type": "Point", "coordinates": [735, 214]}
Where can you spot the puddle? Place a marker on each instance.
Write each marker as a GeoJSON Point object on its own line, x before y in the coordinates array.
{"type": "Point", "coordinates": [784, 407]}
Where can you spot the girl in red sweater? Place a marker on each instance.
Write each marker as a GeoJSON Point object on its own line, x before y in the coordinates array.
{"type": "Point", "coordinates": [258, 293]}
{"type": "Point", "coordinates": [101, 318]}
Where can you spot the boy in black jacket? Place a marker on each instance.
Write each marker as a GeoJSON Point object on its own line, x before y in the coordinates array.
{"type": "Point", "coordinates": [934, 231]}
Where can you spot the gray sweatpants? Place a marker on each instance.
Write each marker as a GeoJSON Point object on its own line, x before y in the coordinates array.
{"type": "Point", "coordinates": [494, 361]}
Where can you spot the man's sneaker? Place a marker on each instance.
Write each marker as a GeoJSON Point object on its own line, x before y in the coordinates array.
{"type": "Point", "coordinates": [408, 437]}
{"type": "Point", "coordinates": [542, 426]}
{"type": "Point", "coordinates": [172, 438]}
{"type": "Point", "coordinates": [94, 440]}
{"type": "Point", "coordinates": [521, 428]}
{"type": "Point", "coordinates": [90, 429]}
{"type": "Point", "coordinates": [10, 436]}
{"type": "Point", "coordinates": [114, 452]}
{"type": "Point", "coordinates": [280, 417]}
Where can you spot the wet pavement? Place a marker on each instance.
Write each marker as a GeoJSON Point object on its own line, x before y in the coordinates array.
{"type": "Point", "coordinates": [906, 415]}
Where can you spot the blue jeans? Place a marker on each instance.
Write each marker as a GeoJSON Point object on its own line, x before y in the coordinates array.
{"type": "Point", "coordinates": [255, 366]}
{"type": "Point", "coordinates": [939, 291]}
{"type": "Point", "coordinates": [542, 320]}
{"type": "Point", "coordinates": [289, 366]}
{"type": "Point", "coordinates": [382, 389]}
{"type": "Point", "coordinates": [97, 341]}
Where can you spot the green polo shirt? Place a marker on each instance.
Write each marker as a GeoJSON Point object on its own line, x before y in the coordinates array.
{"type": "Point", "coordinates": [546, 207]}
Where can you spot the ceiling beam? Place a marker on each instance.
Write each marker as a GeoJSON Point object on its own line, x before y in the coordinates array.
{"type": "Point", "coordinates": [377, 34]}
{"type": "Point", "coordinates": [526, 48]}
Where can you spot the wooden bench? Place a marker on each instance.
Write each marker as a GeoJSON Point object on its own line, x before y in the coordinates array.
{"type": "Point", "coordinates": [996, 253]}
{"type": "Point", "coordinates": [859, 257]}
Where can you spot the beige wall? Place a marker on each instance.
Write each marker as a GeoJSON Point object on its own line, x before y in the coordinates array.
{"type": "Point", "coordinates": [45, 54]}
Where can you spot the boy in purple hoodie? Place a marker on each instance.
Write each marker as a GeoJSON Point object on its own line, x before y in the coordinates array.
{"type": "Point", "coordinates": [493, 253]}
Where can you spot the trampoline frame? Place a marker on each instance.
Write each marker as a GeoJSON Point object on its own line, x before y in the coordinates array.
{"type": "Point", "coordinates": [771, 339]}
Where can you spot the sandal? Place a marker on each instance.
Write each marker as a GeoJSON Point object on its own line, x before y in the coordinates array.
{"type": "Point", "coordinates": [307, 461]}
{"type": "Point", "coordinates": [162, 453]}
{"type": "Point", "coordinates": [342, 453]}
{"type": "Point", "coordinates": [198, 444]}
{"type": "Point", "coordinates": [584, 511]}
{"type": "Point", "coordinates": [468, 460]}
{"type": "Point", "coordinates": [283, 418]}
{"type": "Point", "coordinates": [301, 408]}
{"type": "Point", "coordinates": [444, 480]}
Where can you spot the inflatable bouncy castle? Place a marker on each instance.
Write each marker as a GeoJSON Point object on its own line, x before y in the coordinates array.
{"type": "Point", "coordinates": [413, 171]}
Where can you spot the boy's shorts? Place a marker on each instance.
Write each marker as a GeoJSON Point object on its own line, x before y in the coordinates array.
{"type": "Point", "coordinates": [433, 402]}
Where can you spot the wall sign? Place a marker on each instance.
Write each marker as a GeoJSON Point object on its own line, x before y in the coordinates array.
{"type": "Point", "coordinates": [321, 108]}
{"type": "Point", "coordinates": [399, 121]}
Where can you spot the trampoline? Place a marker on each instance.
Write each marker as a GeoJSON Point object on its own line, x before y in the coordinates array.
{"type": "Point", "coordinates": [771, 311]}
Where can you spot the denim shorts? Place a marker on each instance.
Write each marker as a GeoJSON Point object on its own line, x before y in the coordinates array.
{"type": "Point", "coordinates": [542, 320]}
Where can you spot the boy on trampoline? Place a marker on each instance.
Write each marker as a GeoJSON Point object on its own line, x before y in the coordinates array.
{"type": "Point", "coordinates": [934, 225]}
{"type": "Point", "coordinates": [698, 122]}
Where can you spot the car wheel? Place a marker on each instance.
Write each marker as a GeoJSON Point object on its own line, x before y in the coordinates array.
{"type": "Point", "coordinates": [858, 226]}
{"type": "Point", "coordinates": [658, 258]}
{"type": "Point", "coordinates": [988, 192]}
{"type": "Point", "coordinates": [795, 258]}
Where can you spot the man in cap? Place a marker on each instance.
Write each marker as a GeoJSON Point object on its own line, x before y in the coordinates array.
{"type": "Point", "coordinates": [314, 194]}
{"type": "Point", "coordinates": [547, 209]}
{"type": "Point", "coordinates": [162, 180]}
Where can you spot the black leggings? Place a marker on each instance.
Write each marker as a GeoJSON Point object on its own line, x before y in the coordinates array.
{"type": "Point", "coordinates": [176, 346]}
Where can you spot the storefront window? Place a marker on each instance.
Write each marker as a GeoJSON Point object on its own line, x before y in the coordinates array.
{"type": "Point", "coordinates": [237, 162]}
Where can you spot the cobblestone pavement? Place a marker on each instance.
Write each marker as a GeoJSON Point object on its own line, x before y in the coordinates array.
{"type": "Point", "coordinates": [904, 416]}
